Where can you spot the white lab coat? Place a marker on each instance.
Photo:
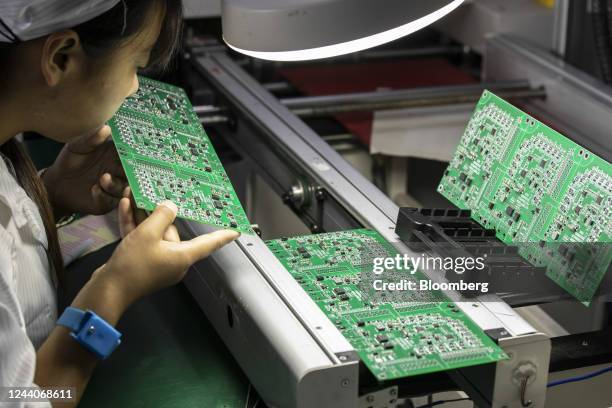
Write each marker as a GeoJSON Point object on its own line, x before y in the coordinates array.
{"type": "Point", "coordinates": [28, 302]}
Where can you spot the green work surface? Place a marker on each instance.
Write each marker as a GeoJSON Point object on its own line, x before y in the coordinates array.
{"type": "Point", "coordinates": [395, 335]}
{"type": "Point", "coordinates": [539, 190]}
{"type": "Point", "coordinates": [167, 155]}
{"type": "Point", "coordinates": [170, 355]}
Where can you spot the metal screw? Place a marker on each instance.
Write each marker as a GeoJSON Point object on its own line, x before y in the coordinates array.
{"type": "Point", "coordinates": [91, 330]}
{"type": "Point", "coordinates": [393, 391]}
{"type": "Point", "coordinates": [297, 193]}
{"type": "Point", "coordinates": [370, 398]}
{"type": "Point", "coordinates": [345, 382]}
{"type": "Point", "coordinates": [320, 194]}
{"type": "Point", "coordinates": [342, 358]}
{"type": "Point", "coordinates": [256, 229]}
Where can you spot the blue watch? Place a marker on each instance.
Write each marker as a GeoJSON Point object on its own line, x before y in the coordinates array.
{"type": "Point", "coordinates": [91, 331]}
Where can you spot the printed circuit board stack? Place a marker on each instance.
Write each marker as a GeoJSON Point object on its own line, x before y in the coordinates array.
{"type": "Point", "coordinates": [395, 335]}
{"type": "Point", "coordinates": [167, 156]}
{"type": "Point", "coordinates": [538, 190]}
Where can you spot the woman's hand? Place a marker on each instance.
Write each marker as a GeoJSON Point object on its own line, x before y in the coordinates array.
{"type": "Point", "coordinates": [87, 176]}
{"type": "Point", "coordinates": [151, 255]}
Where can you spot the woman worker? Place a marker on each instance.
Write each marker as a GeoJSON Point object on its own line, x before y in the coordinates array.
{"type": "Point", "coordinates": [66, 66]}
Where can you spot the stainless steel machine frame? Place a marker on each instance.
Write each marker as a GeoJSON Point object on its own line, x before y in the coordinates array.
{"type": "Point", "coordinates": [570, 93]}
{"type": "Point", "coordinates": [294, 356]}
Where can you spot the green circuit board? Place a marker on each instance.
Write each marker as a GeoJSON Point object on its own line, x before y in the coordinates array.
{"type": "Point", "coordinates": [533, 185]}
{"type": "Point", "coordinates": [167, 155]}
{"type": "Point", "coordinates": [395, 335]}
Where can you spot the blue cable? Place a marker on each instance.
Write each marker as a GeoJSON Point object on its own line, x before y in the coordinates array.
{"type": "Point", "coordinates": [579, 377]}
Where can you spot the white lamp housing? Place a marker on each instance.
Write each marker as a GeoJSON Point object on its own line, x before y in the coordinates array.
{"type": "Point", "coordinates": [298, 30]}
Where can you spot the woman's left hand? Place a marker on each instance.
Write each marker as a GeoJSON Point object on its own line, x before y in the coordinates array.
{"type": "Point", "coordinates": [87, 176]}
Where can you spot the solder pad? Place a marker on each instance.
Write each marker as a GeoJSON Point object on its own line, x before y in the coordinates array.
{"type": "Point", "coordinates": [533, 185]}
{"type": "Point", "coordinates": [167, 155]}
{"type": "Point", "coordinates": [394, 337]}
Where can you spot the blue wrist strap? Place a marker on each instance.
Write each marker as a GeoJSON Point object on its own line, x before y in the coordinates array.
{"type": "Point", "coordinates": [91, 331]}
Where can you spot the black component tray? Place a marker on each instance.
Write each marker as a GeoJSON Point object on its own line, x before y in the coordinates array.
{"type": "Point", "coordinates": [453, 233]}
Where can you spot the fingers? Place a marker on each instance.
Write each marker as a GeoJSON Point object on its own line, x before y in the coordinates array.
{"type": "Point", "coordinates": [130, 217]}
{"type": "Point", "coordinates": [114, 166]}
{"type": "Point", "coordinates": [112, 185]}
{"type": "Point", "coordinates": [139, 215]}
{"type": "Point", "coordinates": [159, 221]}
{"type": "Point", "coordinates": [202, 246]}
{"type": "Point", "coordinates": [103, 202]}
{"type": "Point", "coordinates": [88, 143]}
{"type": "Point", "coordinates": [127, 222]}
{"type": "Point", "coordinates": [172, 234]}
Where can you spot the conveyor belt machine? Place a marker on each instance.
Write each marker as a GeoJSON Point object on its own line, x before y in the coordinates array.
{"type": "Point", "coordinates": [292, 353]}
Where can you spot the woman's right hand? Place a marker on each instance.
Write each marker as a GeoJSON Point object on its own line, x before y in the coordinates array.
{"type": "Point", "coordinates": [151, 255]}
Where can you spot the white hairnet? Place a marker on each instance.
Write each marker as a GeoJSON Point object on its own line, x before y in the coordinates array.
{"type": "Point", "coordinates": [22, 20]}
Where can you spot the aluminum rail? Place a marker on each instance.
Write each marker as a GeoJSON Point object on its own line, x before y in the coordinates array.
{"type": "Point", "coordinates": [316, 106]}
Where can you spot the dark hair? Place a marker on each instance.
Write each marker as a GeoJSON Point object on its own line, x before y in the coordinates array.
{"type": "Point", "coordinates": [111, 29]}
{"type": "Point", "coordinates": [99, 37]}
{"type": "Point", "coordinates": [29, 180]}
